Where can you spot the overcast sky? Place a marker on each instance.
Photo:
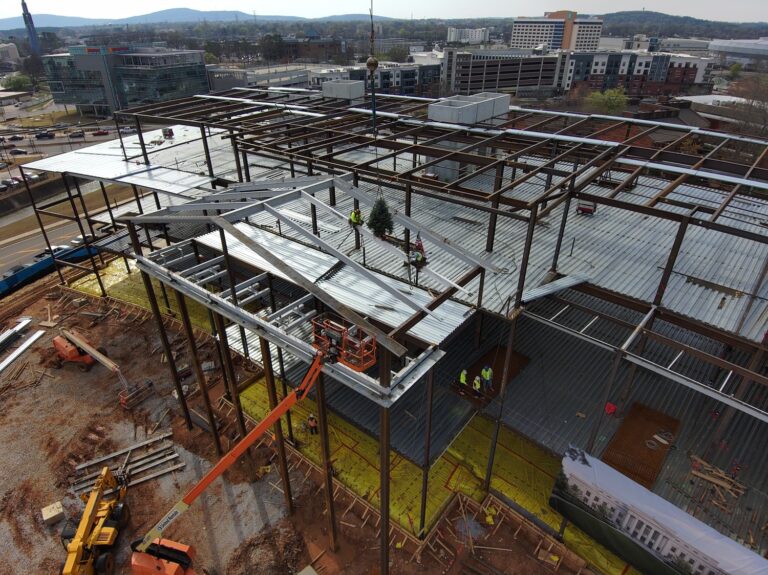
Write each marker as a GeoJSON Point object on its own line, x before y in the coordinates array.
{"type": "Point", "coordinates": [733, 10]}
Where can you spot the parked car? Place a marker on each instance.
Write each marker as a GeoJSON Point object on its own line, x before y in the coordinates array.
{"type": "Point", "coordinates": [2, 139]}
{"type": "Point", "coordinates": [45, 135]}
{"type": "Point", "coordinates": [3, 188]}
{"type": "Point", "coordinates": [9, 146]}
{"type": "Point", "coordinates": [10, 182]}
{"type": "Point", "coordinates": [77, 134]}
{"type": "Point", "coordinates": [16, 138]}
{"type": "Point", "coordinates": [18, 152]}
{"type": "Point", "coordinates": [125, 130]}
{"type": "Point", "coordinates": [101, 133]}
{"type": "Point", "coordinates": [3, 165]}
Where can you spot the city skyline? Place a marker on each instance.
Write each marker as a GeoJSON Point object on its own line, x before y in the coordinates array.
{"type": "Point", "coordinates": [737, 11]}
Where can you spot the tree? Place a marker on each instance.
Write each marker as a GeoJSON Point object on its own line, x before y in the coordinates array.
{"type": "Point", "coordinates": [211, 58]}
{"type": "Point", "coordinates": [734, 71]}
{"type": "Point", "coordinates": [380, 220]}
{"type": "Point", "coordinates": [398, 54]}
{"type": "Point", "coordinates": [609, 102]}
{"type": "Point", "coordinates": [18, 83]}
{"type": "Point", "coordinates": [753, 110]}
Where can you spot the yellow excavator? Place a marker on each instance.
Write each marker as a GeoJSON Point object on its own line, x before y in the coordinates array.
{"type": "Point", "coordinates": [89, 544]}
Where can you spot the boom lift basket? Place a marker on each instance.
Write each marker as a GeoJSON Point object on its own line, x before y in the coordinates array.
{"type": "Point", "coordinates": [343, 342]}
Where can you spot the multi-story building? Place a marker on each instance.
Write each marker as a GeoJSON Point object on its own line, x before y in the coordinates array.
{"type": "Point", "coordinates": [639, 73]}
{"type": "Point", "coordinates": [101, 79]}
{"type": "Point", "coordinates": [389, 78]}
{"type": "Point", "coordinates": [468, 36]}
{"type": "Point", "coordinates": [518, 72]}
{"type": "Point", "coordinates": [659, 529]}
{"type": "Point", "coordinates": [557, 30]}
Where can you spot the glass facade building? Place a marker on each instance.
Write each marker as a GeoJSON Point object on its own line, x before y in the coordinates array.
{"type": "Point", "coordinates": [101, 79]}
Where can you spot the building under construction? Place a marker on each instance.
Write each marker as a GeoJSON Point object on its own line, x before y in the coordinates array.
{"type": "Point", "coordinates": [611, 271]}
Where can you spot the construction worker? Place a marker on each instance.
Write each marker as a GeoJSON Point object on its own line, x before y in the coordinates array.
{"type": "Point", "coordinates": [312, 424]}
{"type": "Point", "coordinates": [416, 258]}
{"type": "Point", "coordinates": [477, 385]}
{"type": "Point", "coordinates": [487, 375]}
{"type": "Point", "coordinates": [356, 218]}
{"type": "Point", "coordinates": [463, 378]}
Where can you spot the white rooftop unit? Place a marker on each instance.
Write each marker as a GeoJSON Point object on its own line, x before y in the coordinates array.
{"type": "Point", "coordinates": [469, 109]}
{"type": "Point", "coordinates": [344, 89]}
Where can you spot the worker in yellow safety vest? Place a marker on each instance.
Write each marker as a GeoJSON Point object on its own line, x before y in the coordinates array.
{"type": "Point", "coordinates": [463, 377]}
{"type": "Point", "coordinates": [356, 218]}
{"type": "Point", "coordinates": [477, 385]}
{"type": "Point", "coordinates": [487, 375]}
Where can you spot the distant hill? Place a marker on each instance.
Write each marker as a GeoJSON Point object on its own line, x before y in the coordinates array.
{"type": "Point", "coordinates": [659, 24]}
{"type": "Point", "coordinates": [172, 15]}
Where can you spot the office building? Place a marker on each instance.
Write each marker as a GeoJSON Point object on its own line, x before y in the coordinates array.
{"type": "Point", "coordinates": [557, 30]}
{"type": "Point", "coordinates": [101, 79]}
{"type": "Point", "coordinates": [468, 35]}
{"type": "Point", "coordinates": [293, 76]}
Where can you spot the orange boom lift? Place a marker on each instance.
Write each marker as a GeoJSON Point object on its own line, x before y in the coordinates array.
{"type": "Point", "coordinates": [154, 555]}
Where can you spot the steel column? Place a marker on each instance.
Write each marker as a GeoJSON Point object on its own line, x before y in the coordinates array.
{"type": "Point", "coordinates": [427, 446]}
{"type": "Point", "coordinates": [197, 368]}
{"type": "Point", "coordinates": [233, 392]}
{"type": "Point", "coordinates": [161, 330]}
{"type": "Point", "coordinates": [325, 449]}
{"type": "Point", "coordinates": [141, 140]}
{"type": "Point", "coordinates": [385, 377]}
{"type": "Point", "coordinates": [40, 224]}
{"type": "Point", "coordinates": [269, 376]}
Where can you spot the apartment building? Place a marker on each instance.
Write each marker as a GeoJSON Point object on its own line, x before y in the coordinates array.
{"type": "Point", "coordinates": [389, 78]}
{"type": "Point", "coordinates": [639, 73]}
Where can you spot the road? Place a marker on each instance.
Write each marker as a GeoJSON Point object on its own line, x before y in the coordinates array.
{"type": "Point", "coordinates": [18, 252]}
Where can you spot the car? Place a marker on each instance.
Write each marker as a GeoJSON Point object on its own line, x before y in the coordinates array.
{"type": "Point", "coordinates": [33, 178]}
{"type": "Point", "coordinates": [79, 240]}
{"type": "Point", "coordinates": [10, 182]}
{"type": "Point", "coordinates": [16, 138]}
{"type": "Point", "coordinates": [3, 188]}
{"type": "Point", "coordinates": [101, 133]}
{"type": "Point", "coordinates": [45, 135]}
{"type": "Point", "coordinates": [2, 139]}
{"type": "Point", "coordinates": [18, 152]}
{"type": "Point", "coordinates": [126, 130]}
{"type": "Point", "coordinates": [3, 165]}
{"type": "Point", "coordinates": [77, 134]}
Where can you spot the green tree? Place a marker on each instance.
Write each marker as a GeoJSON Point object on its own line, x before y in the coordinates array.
{"type": "Point", "coordinates": [398, 54]}
{"type": "Point", "coordinates": [734, 71]}
{"type": "Point", "coordinates": [211, 58]}
{"type": "Point", "coordinates": [380, 220]}
{"type": "Point", "coordinates": [18, 83]}
{"type": "Point", "coordinates": [609, 102]}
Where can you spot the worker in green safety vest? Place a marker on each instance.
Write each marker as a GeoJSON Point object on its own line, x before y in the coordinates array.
{"type": "Point", "coordinates": [463, 377]}
{"type": "Point", "coordinates": [356, 218]}
{"type": "Point", "coordinates": [477, 385]}
{"type": "Point", "coordinates": [487, 375]}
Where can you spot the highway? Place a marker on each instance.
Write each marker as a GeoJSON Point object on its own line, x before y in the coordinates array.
{"type": "Point", "coordinates": [19, 251]}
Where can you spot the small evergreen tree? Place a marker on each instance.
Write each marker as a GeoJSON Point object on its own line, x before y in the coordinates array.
{"type": "Point", "coordinates": [380, 219]}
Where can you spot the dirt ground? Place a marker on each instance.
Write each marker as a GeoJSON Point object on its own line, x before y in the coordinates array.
{"type": "Point", "coordinates": [53, 419]}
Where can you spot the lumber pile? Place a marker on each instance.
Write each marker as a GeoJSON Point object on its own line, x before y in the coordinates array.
{"type": "Point", "coordinates": [723, 484]}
